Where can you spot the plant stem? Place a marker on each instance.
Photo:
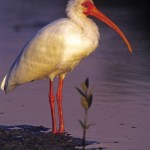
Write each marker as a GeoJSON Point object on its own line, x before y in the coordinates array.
{"type": "Point", "coordinates": [84, 129]}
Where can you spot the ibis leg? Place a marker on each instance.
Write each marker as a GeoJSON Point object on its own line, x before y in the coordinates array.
{"type": "Point", "coordinates": [59, 103]}
{"type": "Point", "coordinates": [52, 106]}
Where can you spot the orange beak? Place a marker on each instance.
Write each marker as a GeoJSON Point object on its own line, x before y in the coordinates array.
{"type": "Point", "coordinates": [96, 13]}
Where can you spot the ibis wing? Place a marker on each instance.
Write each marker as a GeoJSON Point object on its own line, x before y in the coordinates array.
{"type": "Point", "coordinates": [39, 57]}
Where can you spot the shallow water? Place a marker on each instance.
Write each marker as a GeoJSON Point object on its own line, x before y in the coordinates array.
{"type": "Point", "coordinates": [121, 81]}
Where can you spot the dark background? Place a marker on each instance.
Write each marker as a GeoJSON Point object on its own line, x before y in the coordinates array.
{"type": "Point", "coordinates": [140, 8]}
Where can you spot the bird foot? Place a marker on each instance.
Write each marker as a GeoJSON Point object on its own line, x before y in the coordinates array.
{"type": "Point", "coordinates": [55, 131]}
{"type": "Point", "coordinates": [61, 131]}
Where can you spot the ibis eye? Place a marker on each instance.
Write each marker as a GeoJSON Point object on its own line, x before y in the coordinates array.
{"type": "Point", "coordinates": [86, 5]}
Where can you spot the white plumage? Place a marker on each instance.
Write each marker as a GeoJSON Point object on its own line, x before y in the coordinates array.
{"type": "Point", "coordinates": [56, 49]}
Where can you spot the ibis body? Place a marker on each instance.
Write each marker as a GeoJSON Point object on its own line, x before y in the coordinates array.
{"type": "Point", "coordinates": [56, 50]}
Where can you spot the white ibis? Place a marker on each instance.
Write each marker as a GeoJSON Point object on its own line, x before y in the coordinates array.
{"type": "Point", "coordinates": [57, 49]}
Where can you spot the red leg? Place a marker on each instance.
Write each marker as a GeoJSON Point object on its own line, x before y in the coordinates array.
{"type": "Point", "coordinates": [52, 105]}
{"type": "Point", "coordinates": [59, 103]}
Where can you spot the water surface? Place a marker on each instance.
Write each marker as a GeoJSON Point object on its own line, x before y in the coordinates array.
{"type": "Point", "coordinates": [121, 81]}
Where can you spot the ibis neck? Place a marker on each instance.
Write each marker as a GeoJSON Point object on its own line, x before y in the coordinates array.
{"type": "Point", "coordinates": [87, 25]}
{"type": "Point", "coordinates": [88, 28]}
{"type": "Point", "coordinates": [75, 14]}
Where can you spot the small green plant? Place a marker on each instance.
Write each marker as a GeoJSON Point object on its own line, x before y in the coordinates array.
{"type": "Point", "coordinates": [86, 101]}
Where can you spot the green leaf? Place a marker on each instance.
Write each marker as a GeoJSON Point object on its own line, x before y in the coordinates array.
{"type": "Point", "coordinates": [84, 88]}
{"type": "Point", "coordinates": [89, 100]}
{"type": "Point", "coordinates": [80, 91]}
{"type": "Point", "coordinates": [82, 124]}
{"type": "Point", "coordinates": [84, 103]}
{"type": "Point", "coordinates": [87, 83]}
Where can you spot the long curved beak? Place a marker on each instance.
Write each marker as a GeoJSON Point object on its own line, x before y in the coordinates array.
{"type": "Point", "coordinates": [96, 13]}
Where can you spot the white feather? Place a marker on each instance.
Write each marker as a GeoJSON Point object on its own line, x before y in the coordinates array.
{"type": "Point", "coordinates": [55, 50]}
{"type": "Point", "coordinates": [3, 83]}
